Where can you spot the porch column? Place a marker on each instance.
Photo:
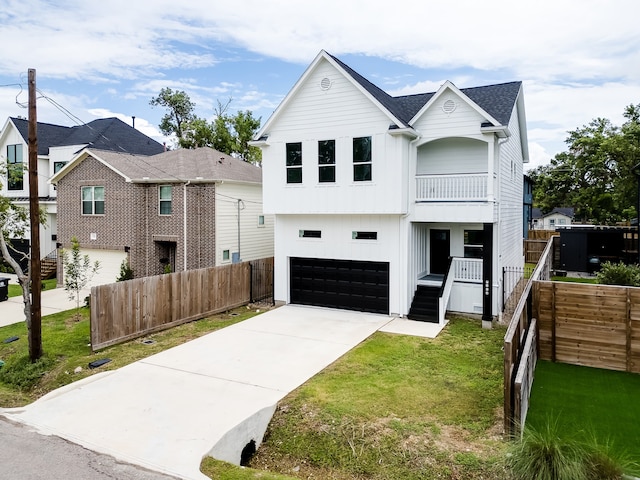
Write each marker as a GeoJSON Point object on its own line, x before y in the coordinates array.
{"type": "Point", "coordinates": [487, 276]}
{"type": "Point", "coordinates": [491, 168]}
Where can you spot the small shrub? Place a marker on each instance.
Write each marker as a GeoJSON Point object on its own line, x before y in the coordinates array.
{"type": "Point", "coordinates": [546, 454]}
{"type": "Point", "coordinates": [542, 455]}
{"type": "Point", "coordinates": [126, 272]}
{"type": "Point", "coordinates": [619, 274]}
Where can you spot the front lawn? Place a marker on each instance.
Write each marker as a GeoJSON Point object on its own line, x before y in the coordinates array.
{"type": "Point", "coordinates": [589, 402]}
{"type": "Point", "coordinates": [394, 407]}
{"type": "Point", "coordinates": [66, 344]}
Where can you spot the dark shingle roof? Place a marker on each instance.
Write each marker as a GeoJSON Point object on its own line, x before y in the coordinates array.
{"type": "Point", "coordinates": [106, 134]}
{"type": "Point", "coordinates": [497, 100]}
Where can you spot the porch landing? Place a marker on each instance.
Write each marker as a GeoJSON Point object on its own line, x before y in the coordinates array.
{"type": "Point", "coordinates": [431, 280]}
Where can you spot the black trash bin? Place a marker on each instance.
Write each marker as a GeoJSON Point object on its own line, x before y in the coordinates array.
{"type": "Point", "coordinates": [4, 289]}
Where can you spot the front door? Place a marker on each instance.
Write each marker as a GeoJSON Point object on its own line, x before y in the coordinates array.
{"type": "Point", "coordinates": [440, 250]}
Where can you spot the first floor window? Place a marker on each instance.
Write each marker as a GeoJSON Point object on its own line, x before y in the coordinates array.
{"type": "Point", "coordinates": [165, 199]}
{"type": "Point", "coordinates": [93, 200]}
{"type": "Point", "coordinates": [294, 162]}
{"type": "Point", "coordinates": [473, 242]}
{"type": "Point", "coordinates": [261, 220]}
{"type": "Point", "coordinates": [362, 159]}
{"type": "Point", "coordinates": [225, 256]}
{"type": "Point", "coordinates": [15, 167]}
{"type": "Point", "coordinates": [327, 161]}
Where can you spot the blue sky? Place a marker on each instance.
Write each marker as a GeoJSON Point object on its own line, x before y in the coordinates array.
{"type": "Point", "coordinates": [578, 60]}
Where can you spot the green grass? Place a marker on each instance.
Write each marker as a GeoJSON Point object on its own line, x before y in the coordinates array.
{"type": "Point", "coordinates": [15, 290]}
{"type": "Point", "coordinates": [575, 280]}
{"type": "Point", "coordinates": [395, 407]}
{"type": "Point", "coordinates": [66, 347]}
{"type": "Point", "coordinates": [589, 403]}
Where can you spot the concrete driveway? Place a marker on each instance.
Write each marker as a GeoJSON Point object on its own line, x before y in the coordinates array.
{"type": "Point", "coordinates": [52, 301]}
{"type": "Point", "coordinates": [209, 396]}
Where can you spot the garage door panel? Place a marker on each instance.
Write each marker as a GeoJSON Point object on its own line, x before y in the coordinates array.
{"type": "Point", "coordinates": [347, 284]}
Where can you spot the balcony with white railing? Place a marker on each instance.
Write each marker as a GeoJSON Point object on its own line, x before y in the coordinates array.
{"type": "Point", "coordinates": [456, 197]}
{"type": "Point", "coordinates": [470, 187]}
{"type": "Point", "coordinates": [467, 270]}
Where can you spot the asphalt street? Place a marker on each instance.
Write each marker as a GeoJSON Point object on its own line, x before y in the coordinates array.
{"type": "Point", "coordinates": [27, 455]}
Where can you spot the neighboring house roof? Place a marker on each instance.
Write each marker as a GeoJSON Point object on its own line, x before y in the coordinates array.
{"type": "Point", "coordinates": [496, 100]}
{"type": "Point", "coordinates": [105, 133]}
{"type": "Point", "coordinates": [199, 165]}
{"type": "Point", "coordinates": [536, 213]}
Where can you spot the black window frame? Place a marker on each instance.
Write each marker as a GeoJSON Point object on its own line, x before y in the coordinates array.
{"type": "Point", "coordinates": [473, 243]}
{"type": "Point", "coordinates": [326, 161]}
{"type": "Point", "coordinates": [361, 235]}
{"type": "Point", "coordinates": [294, 162]}
{"type": "Point", "coordinates": [15, 167]}
{"type": "Point", "coordinates": [362, 164]}
{"type": "Point", "coordinates": [310, 233]}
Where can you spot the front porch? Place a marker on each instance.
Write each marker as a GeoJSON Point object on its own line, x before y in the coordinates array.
{"type": "Point", "coordinates": [449, 270]}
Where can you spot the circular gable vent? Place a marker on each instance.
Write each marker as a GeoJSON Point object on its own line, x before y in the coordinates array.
{"type": "Point", "coordinates": [325, 83]}
{"type": "Point", "coordinates": [449, 106]}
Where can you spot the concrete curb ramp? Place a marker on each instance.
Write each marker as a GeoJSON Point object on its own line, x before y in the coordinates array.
{"type": "Point", "coordinates": [213, 394]}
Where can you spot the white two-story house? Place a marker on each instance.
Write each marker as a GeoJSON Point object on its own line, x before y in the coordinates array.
{"type": "Point", "coordinates": [57, 145]}
{"type": "Point", "coordinates": [407, 205]}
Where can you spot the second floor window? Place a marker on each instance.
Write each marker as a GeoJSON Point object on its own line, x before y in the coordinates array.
{"type": "Point", "coordinates": [327, 161]}
{"type": "Point", "coordinates": [294, 162]}
{"type": "Point", "coordinates": [15, 168]}
{"type": "Point", "coordinates": [93, 200]}
{"type": "Point", "coordinates": [362, 159]}
{"type": "Point", "coordinates": [164, 192]}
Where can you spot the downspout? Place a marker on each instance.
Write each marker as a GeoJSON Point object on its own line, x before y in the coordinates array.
{"type": "Point", "coordinates": [184, 232]}
{"type": "Point", "coordinates": [410, 275]}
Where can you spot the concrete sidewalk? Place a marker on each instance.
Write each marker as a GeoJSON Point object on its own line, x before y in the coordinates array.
{"type": "Point", "coordinates": [52, 301]}
{"type": "Point", "coordinates": [214, 393]}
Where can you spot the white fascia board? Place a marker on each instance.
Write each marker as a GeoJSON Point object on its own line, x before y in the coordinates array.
{"type": "Point", "coordinates": [448, 85]}
{"type": "Point", "coordinates": [321, 56]}
{"type": "Point", "coordinates": [79, 158]}
{"type": "Point", "coordinates": [522, 122]}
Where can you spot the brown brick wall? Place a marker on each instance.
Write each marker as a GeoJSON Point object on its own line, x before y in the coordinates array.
{"type": "Point", "coordinates": [131, 219]}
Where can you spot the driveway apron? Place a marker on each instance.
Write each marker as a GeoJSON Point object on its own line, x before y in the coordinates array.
{"type": "Point", "coordinates": [169, 410]}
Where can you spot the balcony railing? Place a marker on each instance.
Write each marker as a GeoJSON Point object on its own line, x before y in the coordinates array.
{"type": "Point", "coordinates": [470, 187]}
{"type": "Point", "coordinates": [467, 270]}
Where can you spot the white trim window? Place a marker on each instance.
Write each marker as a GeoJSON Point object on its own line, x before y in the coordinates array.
{"type": "Point", "coordinates": [93, 200]}
{"type": "Point", "coordinates": [15, 167]}
{"type": "Point", "coordinates": [362, 159]}
{"type": "Point", "coordinates": [294, 162]}
{"type": "Point", "coordinates": [164, 199]}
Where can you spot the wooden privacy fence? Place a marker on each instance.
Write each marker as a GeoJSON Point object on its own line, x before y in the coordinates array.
{"type": "Point", "coordinates": [533, 250]}
{"type": "Point", "coordinates": [541, 234]}
{"type": "Point", "coordinates": [515, 352]}
{"type": "Point", "coordinates": [591, 325]}
{"type": "Point", "coordinates": [126, 310]}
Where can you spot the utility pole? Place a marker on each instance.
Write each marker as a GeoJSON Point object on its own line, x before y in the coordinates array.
{"type": "Point", "coordinates": [35, 332]}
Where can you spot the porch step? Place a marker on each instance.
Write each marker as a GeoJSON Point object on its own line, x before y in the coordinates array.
{"type": "Point", "coordinates": [424, 306]}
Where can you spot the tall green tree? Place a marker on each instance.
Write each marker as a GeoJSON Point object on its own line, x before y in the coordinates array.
{"type": "Point", "coordinates": [180, 111]}
{"type": "Point", "coordinates": [594, 175]}
{"type": "Point", "coordinates": [226, 133]}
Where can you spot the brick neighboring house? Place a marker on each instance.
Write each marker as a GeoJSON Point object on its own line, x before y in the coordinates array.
{"type": "Point", "coordinates": [57, 145]}
{"type": "Point", "coordinates": [177, 210]}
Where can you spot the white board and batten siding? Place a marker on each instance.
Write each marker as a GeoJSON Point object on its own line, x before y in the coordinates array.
{"type": "Point", "coordinates": [336, 242]}
{"type": "Point", "coordinates": [339, 113]}
{"type": "Point", "coordinates": [256, 240]}
{"type": "Point", "coordinates": [511, 197]}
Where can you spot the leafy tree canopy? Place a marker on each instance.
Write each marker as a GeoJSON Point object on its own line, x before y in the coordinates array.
{"type": "Point", "coordinates": [595, 175]}
{"type": "Point", "coordinates": [226, 133]}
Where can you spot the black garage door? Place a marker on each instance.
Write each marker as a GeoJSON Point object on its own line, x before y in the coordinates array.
{"type": "Point", "coordinates": [347, 284]}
